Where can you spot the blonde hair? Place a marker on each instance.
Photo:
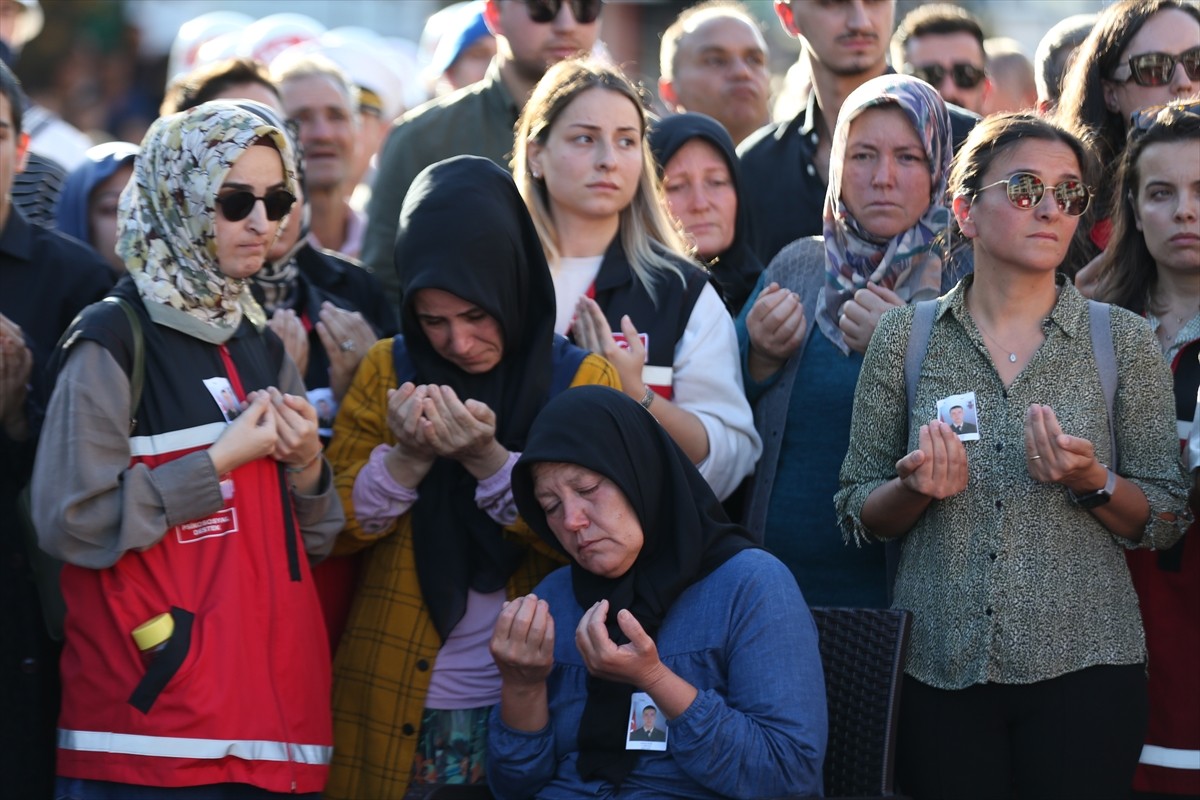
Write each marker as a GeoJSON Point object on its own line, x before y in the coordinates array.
{"type": "Point", "coordinates": [644, 223]}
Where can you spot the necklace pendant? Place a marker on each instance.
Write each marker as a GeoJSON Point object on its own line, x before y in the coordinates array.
{"type": "Point", "coordinates": [1012, 357]}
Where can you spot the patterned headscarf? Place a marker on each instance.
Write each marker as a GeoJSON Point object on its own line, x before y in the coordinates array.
{"type": "Point", "coordinates": [907, 263]}
{"type": "Point", "coordinates": [167, 230]}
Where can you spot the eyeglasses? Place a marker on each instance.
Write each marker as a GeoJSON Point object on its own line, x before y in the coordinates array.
{"type": "Point", "coordinates": [236, 206]}
{"type": "Point", "coordinates": [1142, 121]}
{"type": "Point", "coordinates": [965, 76]}
{"type": "Point", "coordinates": [1026, 190]}
{"type": "Point", "coordinates": [1157, 69]}
{"type": "Point", "coordinates": [584, 11]}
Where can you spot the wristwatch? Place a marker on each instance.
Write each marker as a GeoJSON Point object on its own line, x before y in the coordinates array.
{"type": "Point", "coordinates": [1100, 496]}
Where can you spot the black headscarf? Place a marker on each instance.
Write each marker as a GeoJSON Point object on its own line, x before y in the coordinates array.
{"type": "Point", "coordinates": [464, 229]}
{"type": "Point", "coordinates": [737, 269]}
{"type": "Point", "coordinates": [687, 536]}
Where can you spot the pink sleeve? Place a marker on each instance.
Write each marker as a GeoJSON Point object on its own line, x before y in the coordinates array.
{"type": "Point", "coordinates": [378, 499]}
{"type": "Point", "coordinates": [494, 493]}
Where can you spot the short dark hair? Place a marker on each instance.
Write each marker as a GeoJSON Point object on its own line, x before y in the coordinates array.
{"type": "Point", "coordinates": [933, 20]}
{"type": "Point", "coordinates": [649, 707]}
{"type": "Point", "coordinates": [205, 83]}
{"type": "Point", "coordinates": [1051, 59]}
{"type": "Point", "coordinates": [10, 87]}
{"type": "Point", "coordinates": [960, 408]}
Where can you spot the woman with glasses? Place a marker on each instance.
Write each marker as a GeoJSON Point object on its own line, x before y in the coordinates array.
{"type": "Point", "coordinates": [1026, 670]}
{"type": "Point", "coordinates": [1140, 53]}
{"type": "Point", "coordinates": [186, 493]}
{"type": "Point", "coordinates": [813, 312]}
{"type": "Point", "coordinates": [1152, 267]}
{"type": "Point", "coordinates": [623, 283]}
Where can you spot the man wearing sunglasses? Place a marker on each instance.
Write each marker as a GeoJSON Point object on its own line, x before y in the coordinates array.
{"type": "Point", "coordinates": [785, 166]}
{"type": "Point", "coordinates": [943, 45]}
{"type": "Point", "coordinates": [531, 35]}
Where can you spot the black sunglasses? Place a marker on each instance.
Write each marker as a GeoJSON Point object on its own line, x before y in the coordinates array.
{"type": "Point", "coordinates": [965, 76]}
{"type": "Point", "coordinates": [1140, 122]}
{"type": "Point", "coordinates": [584, 11]}
{"type": "Point", "coordinates": [1026, 190]}
{"type": "Point", "coordinates": [236, 206]}
{"type": "Point", "coordinates": [1157, 69]}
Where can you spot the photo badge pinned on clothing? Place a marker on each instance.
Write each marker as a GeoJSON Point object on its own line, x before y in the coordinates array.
{"type": "Point", "coordinates": [960, 412]}
{"type": "Point", "coordinates": [223, 396]}
{"type": "Point", "coordinates": [647, 726]}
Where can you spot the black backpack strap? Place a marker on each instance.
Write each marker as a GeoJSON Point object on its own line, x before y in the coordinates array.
{"type": "Point", "coordinates": [1100, 325]}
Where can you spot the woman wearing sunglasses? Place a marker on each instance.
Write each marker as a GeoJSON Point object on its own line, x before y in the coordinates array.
{"type": "Point", "coordinates": [1140, 53]}
{"type": "Point", "coordinates": [1152, 267]}
{"type": "Point", "coordinates": [194, 654]}
{"type": "Point", "coordinates": [623, 283]}
{"type": "Point", "coordinates": [1026, 671]}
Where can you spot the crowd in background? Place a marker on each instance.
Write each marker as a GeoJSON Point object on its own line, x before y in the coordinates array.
{"type": "Point", "coordinates": [394, 416]}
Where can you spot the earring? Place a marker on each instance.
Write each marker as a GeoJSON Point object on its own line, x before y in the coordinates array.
{"type": "Point", "coordinates": [537, 176]}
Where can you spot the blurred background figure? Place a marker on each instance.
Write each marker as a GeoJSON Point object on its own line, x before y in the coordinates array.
{"type": "Point", "coordinates": [942, 45]}
{"type": "Point", "coordinates": [195, 33]}
{"type": "Point", "coordinates": [463, 51]}
{"type": "Point", "coordinates": [87, 207]}
{"type": "Point", "coordinates": [1053, 56]}
{"type": "Point", "coordinates": [713, 61]}
{"type": "Point", "coordinates": [1011, 74]}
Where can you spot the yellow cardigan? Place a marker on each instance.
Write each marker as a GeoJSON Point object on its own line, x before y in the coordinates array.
{"type": "Point", "coordinates": [385, 661]}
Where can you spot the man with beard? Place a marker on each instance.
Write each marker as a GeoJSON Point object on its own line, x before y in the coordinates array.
{"type": "Point", "coordinates": [478, 120]}
{"type": "Point", "coordinates": [785, 166]}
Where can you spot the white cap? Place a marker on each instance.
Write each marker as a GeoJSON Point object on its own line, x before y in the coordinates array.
{"type": "Point", "coordinates": [368, 63]}
{"type": "Point", "coordinates": [195, 33]}
{"type": "Point", "coordinates": [268, 37]}
{"type": "Point", "coordinates": [29, 23]}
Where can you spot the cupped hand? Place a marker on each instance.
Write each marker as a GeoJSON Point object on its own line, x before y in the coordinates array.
{"type": "Point", "coordinates": [290, 329]}
{"type": "Point", "coordinates": [346, 337]}
{"type": "Point", "coordinates": [252, 435]}
{"type": "Point", "coordinates": [777, 325]}
{"type": "Point", "coordinates": [522, 642]}
{"type": "Point", "coordinates": [449, 427]}
{"type": "Point", "coordinates": [860, 315]}
{"type": "Point", "coordinates": [635, 662]}
{"type": "Point", "coordinates": [938, 467]}
{"type": "Point", "coordinates": [1054, 457]}
{"type": "Point", "coordinates": [297, 441]}
{"type": "Point", "coordinates": [404, 418]}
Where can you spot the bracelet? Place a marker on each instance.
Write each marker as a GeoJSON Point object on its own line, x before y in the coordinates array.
{"type": "Point", "coordinates": [298, 470]}
{"type": "Point", "coordinates": [647, 398]}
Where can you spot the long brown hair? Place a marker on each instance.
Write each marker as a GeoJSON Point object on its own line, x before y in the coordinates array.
{"type": "Point", "coordinates": [644, 222]}
{"type": "Point", "coordinates": [1127, 274]}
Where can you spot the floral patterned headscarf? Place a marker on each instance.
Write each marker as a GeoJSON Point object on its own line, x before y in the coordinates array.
{"type": "Point", "coordinates": [167, 230]}
{"type": "Point", "coordinates": [907, 263]}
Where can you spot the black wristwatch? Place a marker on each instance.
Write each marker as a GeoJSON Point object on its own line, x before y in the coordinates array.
{"type": "Point", "coordinates": [1100, 496]}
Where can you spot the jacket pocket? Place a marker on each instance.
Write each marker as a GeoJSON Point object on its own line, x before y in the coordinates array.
{"type": "Point", "coordinates": [166, 664]}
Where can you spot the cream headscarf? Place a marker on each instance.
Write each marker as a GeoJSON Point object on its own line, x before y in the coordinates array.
{"type": "Point", "coordinates": [167, 233]}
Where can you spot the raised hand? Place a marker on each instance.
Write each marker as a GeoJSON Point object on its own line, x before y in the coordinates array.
{"type": "Point", "coordinates": [777, 325]}
{"type": "Point", "coordinates": [635, 662]}
{"type": "Point", "coordinates": [523, 641]}
{"type": "Point", "coordinates": [346, 337]}
{"type": "Point", "coordinates": [250, 436]}
{"type": "Point", "coordinates": [466, 434]}
{"type": "Point", "coordinates": [1054, 457]}
{"type": "Point", "coordinates": [290, 330]}
{"type": "Point", "coordinates": [938, 467]}
{"type": "Point", "coordinates": [860, 315]}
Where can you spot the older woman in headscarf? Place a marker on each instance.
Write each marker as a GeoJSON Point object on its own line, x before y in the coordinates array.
{"type": "Point", "coordinates": [702, 184]}
{"type": "Point", "coordinates": [676, 616]}
{"type": "Point", "coordinates": [816, 306]}
{"type": "Point", "coordinates": [195, 657]}
{"type": "Point", "coordinates": [424, 447]}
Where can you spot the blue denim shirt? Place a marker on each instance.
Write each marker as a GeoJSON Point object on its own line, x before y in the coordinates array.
{"type": "Point", "coordinates": [743, 636]}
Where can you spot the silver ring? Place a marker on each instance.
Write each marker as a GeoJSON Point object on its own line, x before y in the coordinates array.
{"type": "Point", "coordinates": [348, 346]}
{"type": "Point", "coordinates": [1034, 458]}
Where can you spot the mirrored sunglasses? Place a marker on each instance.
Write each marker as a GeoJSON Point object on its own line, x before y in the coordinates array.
{"type": "Point", "coordinates": [236, 206]}
{"type": "Point", "coordinates": [1026, 190]}
{"type": "Point", "coordinates": [1157, 69]}
{"type": "Point", "coordinates": [965, 76]}
{"type": "Point", "coordinates": [584, 11]}
{"type": "Point", "coordinates": [1142, 121]}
